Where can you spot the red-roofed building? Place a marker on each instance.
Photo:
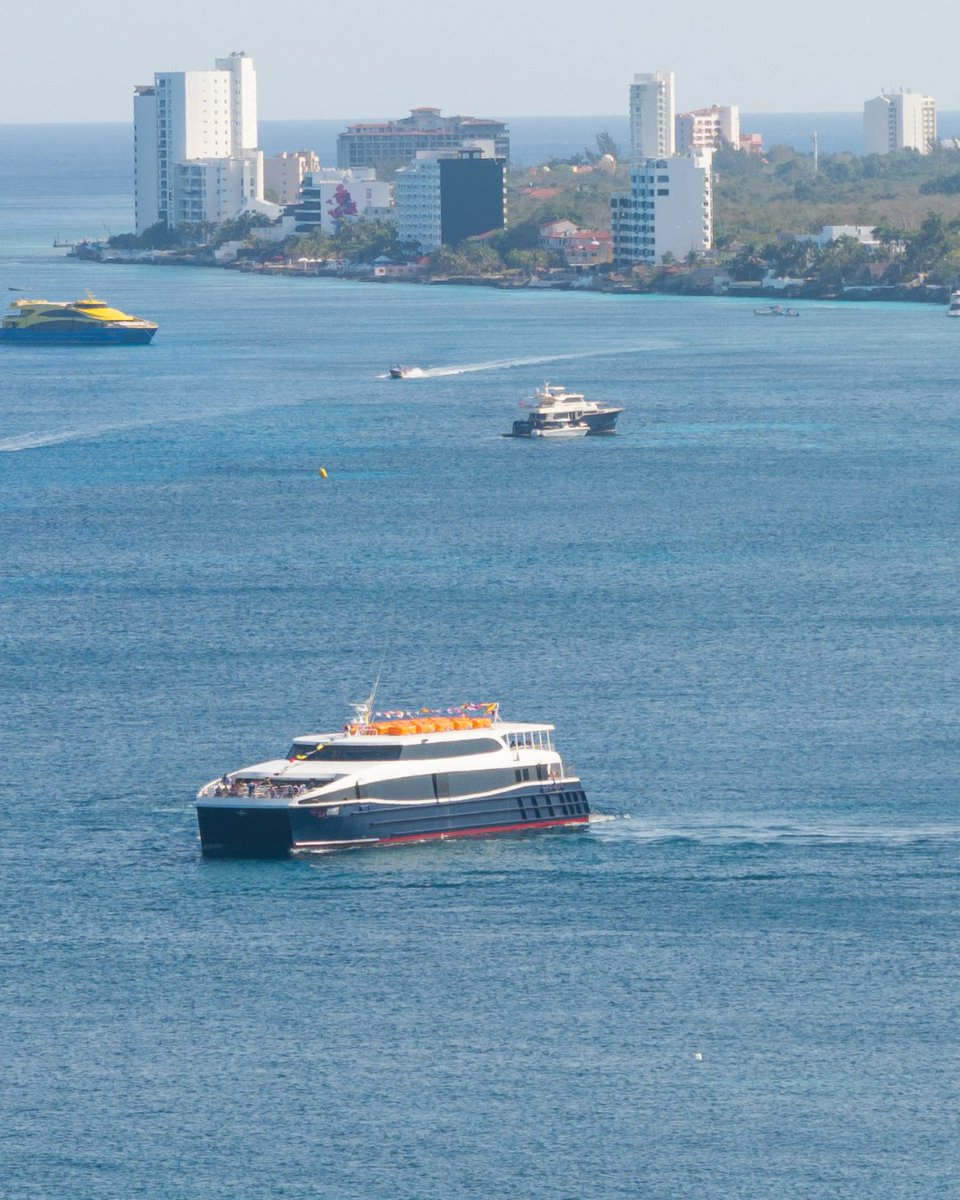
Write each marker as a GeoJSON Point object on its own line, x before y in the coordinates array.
{"type": "Point", "coordinates": [579, 247]}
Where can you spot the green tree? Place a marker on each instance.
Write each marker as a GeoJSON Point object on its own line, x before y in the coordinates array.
{"type": "Point", "coordinates": [840, 261]}
{"type": "Point", "coordinates": [528, 261]}
{"type": "Point", "coordinates": [606, 145]}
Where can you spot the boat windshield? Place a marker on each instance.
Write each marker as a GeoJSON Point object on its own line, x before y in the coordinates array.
{"type": "Point", "coordinates": [342, 752]}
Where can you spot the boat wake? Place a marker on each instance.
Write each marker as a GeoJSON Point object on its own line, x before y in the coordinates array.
{"type": "Point", "coordinates": [630, 828]}
{"type": "Point", "coordinates": [33, 441]}
{"type": "Point", "coordinates": [37, 439]}
{"type": "Point", "coordinates": [506, 364]}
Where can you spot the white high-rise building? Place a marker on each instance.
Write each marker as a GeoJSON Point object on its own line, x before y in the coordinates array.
{"type": "Point", "coordinates": [668, 210]}
{"type": "Point", "coordinates": [652, 116]}
{"type": "Point", "coordinates": [899, 121]}
{"type": "Point", "coordinates": [195, 144]}
{"type": "Point", "coordinates": [709, 128]}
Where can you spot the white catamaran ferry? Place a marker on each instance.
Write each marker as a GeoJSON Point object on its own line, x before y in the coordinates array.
{"type": "Point", "coordinates": [403, 777]}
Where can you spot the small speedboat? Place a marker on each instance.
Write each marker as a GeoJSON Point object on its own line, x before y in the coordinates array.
{"type": "Point", "coordinates": [776, 310]}
{"type": "Point", "coordinates": [400, 372]}
{"type": "Point", "coordinates": [953, 308]}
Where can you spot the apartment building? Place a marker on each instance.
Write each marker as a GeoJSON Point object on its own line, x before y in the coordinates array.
{"type": "Point", "coordinates": [389, 144]}
{"type": "Point", "coordinates": [443, 197]}
{"type": "Point", "coordinates": [195, 144]}
{"type": "Point", "coordinates": [283, 174]}
{"type": "Point", "coordinates": [895, 121]}
{"type": "Point", "coordinates": [668, 210]}
{"type": "Point", "coordinates": [708, 128]}
{"type": "Point", "coordinates": [652, 116]}
{"type": "Point", "coordinates": [330, 196]}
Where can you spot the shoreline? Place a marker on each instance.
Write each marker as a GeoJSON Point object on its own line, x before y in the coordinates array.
{"type": "Point", "coordinates": [565, 281]}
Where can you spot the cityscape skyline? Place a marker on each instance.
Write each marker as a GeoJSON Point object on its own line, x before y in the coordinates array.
{"type": "Point", "coordinates": [519, 63]}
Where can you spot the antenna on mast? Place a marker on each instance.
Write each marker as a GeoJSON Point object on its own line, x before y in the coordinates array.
{"type": "Point", "coordinates": [363, 709]}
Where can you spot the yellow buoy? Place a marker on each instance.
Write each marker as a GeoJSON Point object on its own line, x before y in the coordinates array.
{"type": "Point", "coordinates": [322, 472]}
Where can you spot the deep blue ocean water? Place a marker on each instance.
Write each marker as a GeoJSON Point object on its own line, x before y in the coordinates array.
{"type": "Point", "coordinates": [741, 613]}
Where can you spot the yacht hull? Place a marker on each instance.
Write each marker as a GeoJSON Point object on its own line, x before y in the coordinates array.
{"type": "Point", "coordinates": [601, 422]}
{"type": "Point", "coordinates": [263, 830]}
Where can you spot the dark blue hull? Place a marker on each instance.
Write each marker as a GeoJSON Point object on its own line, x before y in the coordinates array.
{"type": "Point", "coordinates": [78, 337]}
{"type": "Point", "coordinates": [258, 831]}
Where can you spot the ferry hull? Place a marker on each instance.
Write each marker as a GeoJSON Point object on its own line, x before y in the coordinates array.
{"type": "Point", "coordinates": [77, 336]}
{"type": "Point", "coordinates": [264, 832]}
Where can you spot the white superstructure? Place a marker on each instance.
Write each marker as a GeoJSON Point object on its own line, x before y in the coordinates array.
{"type": "Point", "coordinates": [206, 120]}
{"type": "Point", "coordinates": [668, 210]}
{"type": "Point", "coordinates": [901, 120]}
{"type": "Point", "coordinates": [652, 115]}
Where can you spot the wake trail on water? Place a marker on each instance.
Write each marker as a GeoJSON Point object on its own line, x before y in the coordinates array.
{"type": "Point", "coordinates": [35, 440]}
{"type": "Point", "coordinates": [626, 828]}
{"type": "Point", "coordinates": [505, 364]}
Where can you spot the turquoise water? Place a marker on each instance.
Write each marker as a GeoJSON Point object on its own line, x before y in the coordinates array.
{"type": "Point", "coordinates": [741, 613]}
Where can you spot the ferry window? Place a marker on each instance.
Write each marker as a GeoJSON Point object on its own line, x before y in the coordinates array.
{"type": "Point", "coordinates": [466, 783]}
{"type": "Point", "coordinates": [343, 752]}
{"type": "Point", "coordinates": [451, 749]}
{"type": "Point", "coordinates": [412, 787]}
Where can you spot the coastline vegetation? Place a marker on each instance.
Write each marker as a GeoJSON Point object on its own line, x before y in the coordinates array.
{"type": "Point", "coordinates": [766, 211]}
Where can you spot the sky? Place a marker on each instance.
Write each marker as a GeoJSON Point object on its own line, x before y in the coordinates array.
{"type": "Point", "coordinates": [66, 61]}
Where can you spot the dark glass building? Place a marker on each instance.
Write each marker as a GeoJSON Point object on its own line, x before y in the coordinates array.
{"type": "Point", "coordinates": [443, 198]}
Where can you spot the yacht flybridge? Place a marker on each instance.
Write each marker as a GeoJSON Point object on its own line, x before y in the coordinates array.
{"type": "Point", "coordinates": [404, 777]}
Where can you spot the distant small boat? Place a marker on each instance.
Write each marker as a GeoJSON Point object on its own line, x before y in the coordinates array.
{"type": "Point", "coordinates": [399, 372]}
{"type": "Point", "coordinates": [953, 308]}
{"type": "Point", "coordinates": [776, 310]}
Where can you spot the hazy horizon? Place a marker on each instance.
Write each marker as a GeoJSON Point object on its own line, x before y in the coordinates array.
{"type": "Point", "coordinates": [544, 59]}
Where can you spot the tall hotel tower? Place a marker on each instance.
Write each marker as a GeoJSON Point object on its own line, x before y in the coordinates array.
{"type": "Point", "coordinates": [652, 116]}
{"type": "Point", "coordinates": [897, 121]}
{"type": "Point", "coordinates": [195, 144]}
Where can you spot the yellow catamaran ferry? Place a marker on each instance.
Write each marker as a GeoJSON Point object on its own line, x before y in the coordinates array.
{"type": "Point", "coordinates": [81, 321]}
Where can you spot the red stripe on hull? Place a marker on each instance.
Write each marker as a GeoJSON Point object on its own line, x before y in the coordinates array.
{"type": "Point", "coordinates": [485, 831]}
{"type": "Point", "coordinates": [421, 837]}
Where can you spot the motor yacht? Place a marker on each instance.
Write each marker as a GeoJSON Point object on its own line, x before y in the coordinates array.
{"type": "Point", "coordinates": [553, 406]}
